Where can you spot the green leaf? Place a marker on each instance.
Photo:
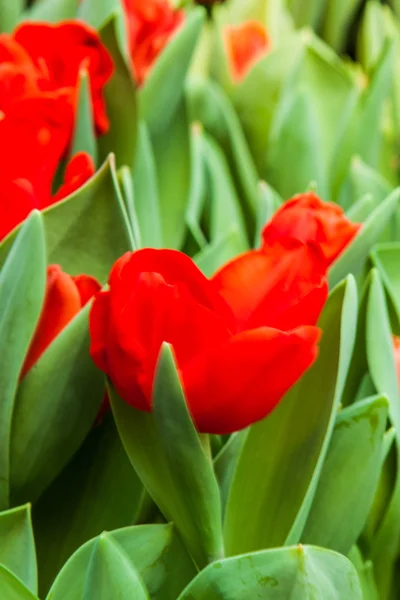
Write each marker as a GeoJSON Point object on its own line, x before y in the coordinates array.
{"type": "Point", "coordinates": [225, 211]}
{"type": "Point", "coordinates": [338, 19]}
{"type": "Point", "coordinates": [379, 350]}
{"type": "Point", "coordinates": [173, 161]}
{"type": "Point", "coordinates": [22, 282]}
{"type": "Point", "coordinates": [297, 573]}
{"type": "Point", "coordinates": [9, 14]}
{"type": "Point", "coordinates": [12, 588]}
{"type": "Point", "coordinates": [127, 190]}
{"type": "Point", "coordinates": [89, 230]}
{"type": "Point", "coordinates": [268, 202]}
{"type": "Point", "coordinates": [98, 12]}
{"type": "Point", "coordinates": [349, 477]}
{"type": "Point", "coordinates": [111, 574]}
{"type": "Point", "coordinates": [55, 407]}
{"type": "Point", "coordinates": [371, 35]}
{"type": "Point", "coordinates": [357, 138]}
{"type": "Point", "coordinates": [147, 200]}
{"type": "Point", "coordinates": [213, 256]}
{"type": "Point", "coordinates": [295, 140]}
{"type": "Point", "coordinates": [162, 93]}
{"type": "Point", "coordinates": [353, 259]}
{"type": "Point", "coordinates": [97, 491]}
{"type": "Point", "coordinates": [51, 11]}
{"type": "Point", "coordinates": [361, 181]}
{"type": "Point", "coordinates": [84, 137]}
{"type": "Point", "coordinates": [280, 464]}
{"type": "Point", "coordinates": [120, 94]}
{"type": "Point", "coordinates": [209, 105]}
{"type": "Point", "coordinates": [198, 188]}
{"type": "Point", "coordinates": [166, 452]}
{"type": "Point", "coordinates": [386, 258]}
{"type": "Point", "coordinates": [17, 548]}
{"type": "Point", "coordinates": [154, 551]}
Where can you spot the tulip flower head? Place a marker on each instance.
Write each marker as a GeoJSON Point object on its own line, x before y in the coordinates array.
{"type": "Point", "coordinates": [150, 24]}
{"type": "Point", "coordinates": [245, 45]}
{"type": "Point", "coordinates": [232, 375]}
{"type": "Point", "coordinates": [65, 296]}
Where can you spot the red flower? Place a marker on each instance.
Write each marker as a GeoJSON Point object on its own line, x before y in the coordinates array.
{"type": "Point", "coordinates": [64, 298]}
{"type": "Point", "coordinates": [232, 375]}
{"type": "Point", "coordinates": [245, 44]}
{"type": "Point", "coordinates": [151, 23]}
{"type": "Point", "coordinates": [41, 59]}
{"type": "Point", "coordinates": [27, 170]}
{"type": "Point", "coordinates": [307, 219]}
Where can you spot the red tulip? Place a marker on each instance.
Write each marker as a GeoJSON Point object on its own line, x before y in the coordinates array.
{"type": "Point", "coordinates": [45, 59]}
{"type": "Point", "coordinates": [151, 23]}
{"type": "Point", "coordinates": [232, 375]}
{"type": "Point", "coordinates": [279, 286]}
{"type": "Point", "coordinates": [245, 45]}
{"type": "Point", "coordinates": [27, 172]}
{"type": "Point", "coordinates": [307, 219]}
{"type": "Point", "coordinates": [64, 298]}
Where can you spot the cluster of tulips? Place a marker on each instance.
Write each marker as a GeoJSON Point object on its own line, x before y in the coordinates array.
{"type": "Point", "coordinates": [199, 300]}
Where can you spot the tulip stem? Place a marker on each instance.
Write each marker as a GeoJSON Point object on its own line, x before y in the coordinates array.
{"type": "Point", "coordinates": [206, 445]}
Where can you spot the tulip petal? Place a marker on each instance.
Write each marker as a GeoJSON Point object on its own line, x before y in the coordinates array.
{"type": "Point", "coordinates": [279, 287]}
{"type": "Point", "coordinates": [308, 219]}
{"type": "Point", "coordinates": [62, 302]}
{"type": "Point", "coordinates": [78, 171]}
{"type": "Point", "coordinates": [87, 287]}
{"type": "Point", "coordinates": [174, 267]}
{"type": "Point", "coordinates": [242, 381]}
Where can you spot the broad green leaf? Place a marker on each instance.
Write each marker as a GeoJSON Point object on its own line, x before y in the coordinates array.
{"type": "Point", "coordinates": [166, 452]}
{"type": "Point", "coordinates": [198, 188]}
{"type": "Point", "coordinates": [379, 350]}
{"type": "Point", "coordinates": [357, 138]}
{"type": "Point", "coordinates": [84, 137]}
{"type": "Point", "coordinates": [10, 12]}
{"type": "Point", "coordinates": [161, 95]}
{"type": "Point", "coordinates": [225, 464]}
{"type": "Point", "coordinates": [268, 203]}
{"type": "Point", "coordinates": [349, 477]}
{"type": "Point", "coordinates": [297, 573]}
{"type": "Point", "coordinates": [361, 181]}
{"type": "Point", "coordinates": [147, 201]}
{"type": "Point", "coordinates": [338, 19]}
{"type": "Point", "coordinates": [225, 213]}
{"type": "Point", "coordinates": [51, 11]}
{"type": "Point", "coordinates": [22, 282]}
{"type": "Point", "coordinates": [282, 457]}
{"type": "Point", "coordinates": [353, 259]}
{"type": "Point", "coordinates": [256, 98]}
{"type": "Point", "coordinates": [111, 574]}
{"type": "Point", "coordinates": [295, 140]}
{"type": "Point", "coordinates": [213, 256]}
{"type": "Point", "coordinates": [99, 12]}
{"type": "Point", "coordinates": [97, 491]}
{"type": "Point", "coordinates": [386, 258]}
{"type": "Point", "coordinates": [88, 231]}
{"type": "Point", "coordinates": [371, 36]}
{"type": "Point", "coordinates": [307, 12]}
{"type": "Point", "coordinates": [365, 572]}
{"type": "Point", "coordinates": [212, 108]}
{"type": "Point", "coordinates": [17, 547]}
{"type": "Point", "coordinates": [12, 588]}
{"type": "Point", "coordinates": [55, 407]}
{"type": "Point", "coordinates": [121, 101]}
{"type": "Point", "coordinates": [173, 161]}
{"type": "Point", "coordinates": [127, 190]}
{"type": "Point", "coordinates": [154, 551]}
